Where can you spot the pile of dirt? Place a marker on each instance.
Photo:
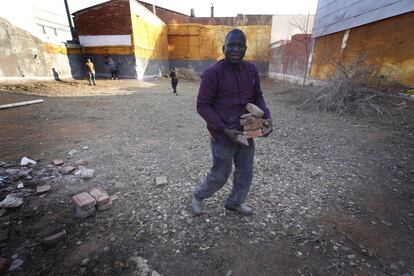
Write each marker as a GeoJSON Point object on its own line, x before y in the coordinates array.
{"type": "Point", "coordinates": [187, 74]}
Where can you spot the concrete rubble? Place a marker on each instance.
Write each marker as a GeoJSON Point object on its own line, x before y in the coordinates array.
{"type": "Point", "coordinates": [27, 161]}
{"type": "Point", "coordinates": [67, 169]}
{"type": "Point", "coordinates": [140, 267]}
{"type": "Point", "coordinates": [42, 189]}
{"type": "Point", "coordinates": [51, 240]}
{"type": "Point", "coordinates": [161, 180]}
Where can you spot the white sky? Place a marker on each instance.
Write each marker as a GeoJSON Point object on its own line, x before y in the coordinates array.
{"type": "Point", "coordinates": [202, 7]}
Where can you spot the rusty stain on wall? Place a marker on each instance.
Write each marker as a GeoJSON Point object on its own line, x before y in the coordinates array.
{"type": "Point", "coordinates": [203, 42]}
{"type": "Point", "coordinates": [388, 45]}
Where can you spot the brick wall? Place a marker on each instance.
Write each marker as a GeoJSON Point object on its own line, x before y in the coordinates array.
{"type": "Point", "coordinates": [290, 57]}
{"type": "Point", "coordinates": [108, 18]}
{"type": "Point", "coordinates": [387, 45]}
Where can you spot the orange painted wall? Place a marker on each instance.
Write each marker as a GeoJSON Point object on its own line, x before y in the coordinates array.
{"type": "Point", "coordinates": [203, 42]}
{"type": "Point", "coordinates": [388, 44]}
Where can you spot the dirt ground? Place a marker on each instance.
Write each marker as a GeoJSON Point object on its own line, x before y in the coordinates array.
{"type": "Point", "coordinates": [333, 194]}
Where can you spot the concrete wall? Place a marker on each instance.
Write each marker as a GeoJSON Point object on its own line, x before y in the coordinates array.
{"type": "Point", "coordinates": [150, 41]}
{"type": "Point", "coordinates": [388, 45]}
{"type": "Point", "coordinates": [196, 42]}
{"type": "Point", "coordinates": [22, 55]}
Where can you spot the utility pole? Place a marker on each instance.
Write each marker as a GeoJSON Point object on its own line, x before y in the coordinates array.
{"type": "Point", "coordinates": [72, 29]}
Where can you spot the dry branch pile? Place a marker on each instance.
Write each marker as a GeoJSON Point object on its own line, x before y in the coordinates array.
{"type": "Point", "coordinates": [348, 92]}
{"type": "Point", "coordinates": [187, 74]}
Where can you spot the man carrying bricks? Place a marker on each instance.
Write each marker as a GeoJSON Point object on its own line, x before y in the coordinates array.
{"type": "Point", "coordinates": [225, 90]}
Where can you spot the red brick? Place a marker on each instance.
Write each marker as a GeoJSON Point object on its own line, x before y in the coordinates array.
{"type": "Point", "coordinates": [83, 201]}
{"type": "Point", "coordinates": [105, 206]}
{"type": "Point", "coordinates": [99, 195]}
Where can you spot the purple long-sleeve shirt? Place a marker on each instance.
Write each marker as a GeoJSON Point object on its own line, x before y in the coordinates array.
{"type": "Point", "coordinates": [225, 90]}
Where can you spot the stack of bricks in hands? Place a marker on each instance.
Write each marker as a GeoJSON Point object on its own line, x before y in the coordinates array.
{"type": "Point", "coordinates": [252, 126]}
{"type": "Point", "coordinates": [85, 202]}
{"type": "Point", "coordinates": [252, 122]}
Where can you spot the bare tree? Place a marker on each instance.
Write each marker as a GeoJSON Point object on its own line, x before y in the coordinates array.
{"type": "Point", "coordinates": [301, 22]}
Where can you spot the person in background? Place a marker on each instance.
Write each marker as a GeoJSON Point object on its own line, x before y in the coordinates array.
{"type": "Point", "coordinates": [90, 69]}
{"type": "Point", "coordinates": [113, 66]}
{"type": "Point", "coordinates": [174, 80]}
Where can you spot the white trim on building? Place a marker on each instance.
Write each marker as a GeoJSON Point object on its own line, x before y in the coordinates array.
{"type": "Point", "coordinates": [105, 40]}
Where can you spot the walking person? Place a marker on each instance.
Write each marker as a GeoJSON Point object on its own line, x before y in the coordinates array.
{"type": "Point", "coordinates": [90, 69]}
{"type": "Point", "coordinates": [174, 80]}
{"type": "Point", "coordinates": [113, 66]}
{"type": "Point", "coordinates": [225, 89]}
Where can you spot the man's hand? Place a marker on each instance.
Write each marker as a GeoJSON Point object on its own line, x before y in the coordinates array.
{"type": "Point", "coordinates": [235, 136]}
{"type": "Point", "coordinates": [267, 127]}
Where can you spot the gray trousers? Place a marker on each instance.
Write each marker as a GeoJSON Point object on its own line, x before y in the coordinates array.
{"type": "Point", "coordinates": [223, 157]}
{"type": "Point", "coordinates": [91, 77]}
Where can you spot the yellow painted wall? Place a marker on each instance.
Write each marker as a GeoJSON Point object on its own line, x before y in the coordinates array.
{"type": "Point", "coordinates": [149, 38]}
{"type": "Point", "coordinates": [388, 44]}
{"type": "Point", "coordinates": [204, 42]}
{"type": "Point", "coordinates": [55, 49]}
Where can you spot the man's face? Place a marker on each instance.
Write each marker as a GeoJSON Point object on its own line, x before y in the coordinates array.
{"type": "Point", "coordinates": [234, 48]}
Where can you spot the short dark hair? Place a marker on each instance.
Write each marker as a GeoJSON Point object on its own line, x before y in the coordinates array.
{"type": "Point", "coordinates": [235, 31]}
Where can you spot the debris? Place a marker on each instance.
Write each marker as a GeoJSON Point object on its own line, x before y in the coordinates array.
{"type": "Point", "coordinates": [83, 200]}
{"type": "Point", "coordinates": [67, 169]}
{"type": "Point", "coordinates": [105, 206]}
{"type": "Point", "coordinates": [101, 197]}
{"type": "Point", "coordinates": [84, 205]}
{"type": "Point", "coordinates": [55, 238]}
{"type": "Point", "coordinates": [85, 261]}
{"type": "Point", "coordinates": [58, 162]}
{"type": "Point", "coordinates": [12, 201]}
{"type": "Point", "coordinates": [20, 186]}
{"type": "Point", "coordinates": [187, 74]}
{"type": "Point", "coordinates": [27, 161]}
{"type": "Point", "coordinates": [42, 189]}
{"type": "Point", "coordinates": [85, 147]}
{"type": "Point", "coordinates": [81, 162]}
{"type": "Point", "coordinates": [16, 264]}
{"type": "Point", "coordinates": [161, 180]}
{"type": "Point", "coordinates": [4, 264]}
{"type": "Point", "coordinates": [72, 152]}
{"type": "Point", "coordinates": [84, 213]}
{"type": "Point", "coordinates": [87, 173]}
{"type": "Point", "coordinates": [140, 265]}
{"type": "Point", "coordinates": [4, 106]}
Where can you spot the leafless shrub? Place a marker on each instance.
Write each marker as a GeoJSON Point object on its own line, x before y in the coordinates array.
{"type": "Point", "coordinates": [348, 91]}
{"type": "Point", "coordinates": [187, 74]}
